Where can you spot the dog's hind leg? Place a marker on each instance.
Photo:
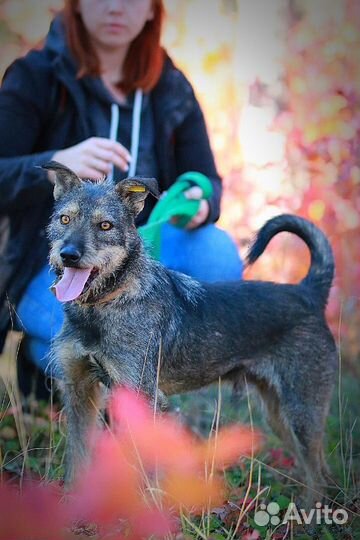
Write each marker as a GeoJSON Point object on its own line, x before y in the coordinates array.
{"type": "Point", "coordinates": [301, 426]}
{"type": "Point", "coordinates": [306, 412]}
{"type": "Point", "coordinates": [307, 444]}
{"type": "Point", "coordinates": [82, 400]}
{"type": "Point", "coordinates": [301, 434]}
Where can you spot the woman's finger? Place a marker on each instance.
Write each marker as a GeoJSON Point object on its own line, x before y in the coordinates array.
{"type": "Point", "coordinates": [194, 193]}
{"type": "Point", "coordinates": [110, 157]}
{"type": "Point", "coordinates": [103, 167]}
{"type": "Point", "coordinates": [201, 215]}
{"type": "Point", "coordinates": [113, 146]}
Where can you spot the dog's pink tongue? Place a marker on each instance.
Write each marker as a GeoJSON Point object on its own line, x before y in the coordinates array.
{"type": "Point", "coordinates": [72, 283]}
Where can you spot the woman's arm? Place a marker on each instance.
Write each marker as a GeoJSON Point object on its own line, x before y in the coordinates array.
{"type": "Point", "coordinates": [193, 153]}
{"type": "Point", "coordinates": [24, 98]}
{"type": "Point", "coordinates": [25, 112]}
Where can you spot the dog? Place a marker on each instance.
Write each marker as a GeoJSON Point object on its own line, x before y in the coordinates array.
{"type": "Point", "coordinates": [130, 321]}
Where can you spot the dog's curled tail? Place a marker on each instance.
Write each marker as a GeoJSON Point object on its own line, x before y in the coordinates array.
{"type": "Point", "coordinates": [322, 267]}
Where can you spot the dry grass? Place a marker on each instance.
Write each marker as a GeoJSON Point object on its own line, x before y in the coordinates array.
{"type": "Point", "coordinates": [31, 442]}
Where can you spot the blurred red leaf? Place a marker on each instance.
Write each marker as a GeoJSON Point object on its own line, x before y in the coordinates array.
{"type": "Point", "coordinates": [36, 512]}
{"type": "Point", "coordinates": [280, 460]}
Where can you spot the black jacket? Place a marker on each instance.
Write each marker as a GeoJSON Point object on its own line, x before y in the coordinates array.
{"type": "Point", "coordinates": [42, 110]}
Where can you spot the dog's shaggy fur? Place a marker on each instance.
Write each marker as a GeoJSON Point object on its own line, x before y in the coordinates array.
{"type": "Point", "coordinates": [134, 316]}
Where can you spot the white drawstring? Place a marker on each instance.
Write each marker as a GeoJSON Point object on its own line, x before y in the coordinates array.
{"type": "Point", "coordinates": [135, 131]}
{"type": "Point", "coordinates": [114, 126]}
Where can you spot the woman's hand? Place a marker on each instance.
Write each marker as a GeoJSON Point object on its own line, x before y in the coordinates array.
{"type": "Point", "coordinates": [94, 157]}
{"type": "Point", "coordinates": [204, 209]}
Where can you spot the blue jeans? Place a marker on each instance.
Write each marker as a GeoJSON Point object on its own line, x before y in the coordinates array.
{"type": "Point", "coordinates": [207, 254]}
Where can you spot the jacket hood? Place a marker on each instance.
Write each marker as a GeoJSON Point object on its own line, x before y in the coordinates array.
{"type": "Point", "coordinates": [55, 41]}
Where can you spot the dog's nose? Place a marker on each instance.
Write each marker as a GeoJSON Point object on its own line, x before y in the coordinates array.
{"type": "Point", "coordinates": [70, 255]}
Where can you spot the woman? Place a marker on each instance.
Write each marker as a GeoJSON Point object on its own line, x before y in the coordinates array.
{"type": "Point", "coordinates": [102, 69]}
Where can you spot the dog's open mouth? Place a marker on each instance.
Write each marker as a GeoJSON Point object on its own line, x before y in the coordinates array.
{"type": "Point", "coordinates": [74, 282]}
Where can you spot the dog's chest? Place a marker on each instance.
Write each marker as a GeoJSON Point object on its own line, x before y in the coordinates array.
{"type": "Point", "coordinates": [110, 333]}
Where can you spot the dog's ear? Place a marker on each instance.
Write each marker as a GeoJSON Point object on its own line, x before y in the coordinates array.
{"type": "Point", "coordinates": [64, 178]}
{"type": "Point", "coordinates": [133, 191]}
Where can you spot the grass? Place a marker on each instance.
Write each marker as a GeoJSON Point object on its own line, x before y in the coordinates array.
{"type": "Point", "coordinates": [272, 470]}
{"type": "Point", "coordinates": [32, 443]}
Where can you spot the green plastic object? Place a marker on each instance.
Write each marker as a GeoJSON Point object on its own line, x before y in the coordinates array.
{"type": "Point", "coordinates": [174, 203]}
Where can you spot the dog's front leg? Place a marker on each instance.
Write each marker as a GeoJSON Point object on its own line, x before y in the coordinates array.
{"type": "Point", "coordinates": [82, 401]}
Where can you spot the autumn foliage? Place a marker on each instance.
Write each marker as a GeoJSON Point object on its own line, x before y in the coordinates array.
{"type": "Point", "coordinates": [310, 165]}
{"type": "Point", "coordinates": [322, 126]}
{"type": "Point", "coordinates": [145, 471]}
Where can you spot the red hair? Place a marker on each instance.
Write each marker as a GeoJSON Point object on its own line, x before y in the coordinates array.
{"type": "Point", "coordinates": [144, 60]}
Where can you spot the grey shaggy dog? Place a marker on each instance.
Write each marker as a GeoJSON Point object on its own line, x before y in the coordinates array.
{"type": "Point", "coordinates": [130, 321]}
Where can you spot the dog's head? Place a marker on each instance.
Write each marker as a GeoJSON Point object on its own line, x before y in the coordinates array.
{"type": "Point", "coordinates": [92, 230]}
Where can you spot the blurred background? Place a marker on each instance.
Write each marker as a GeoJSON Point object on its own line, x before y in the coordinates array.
{"type": "Point", "coordinates": [279, 82]}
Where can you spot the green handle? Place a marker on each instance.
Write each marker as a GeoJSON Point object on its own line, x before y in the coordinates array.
{"type": "Point", "coordinates": [174, 203]}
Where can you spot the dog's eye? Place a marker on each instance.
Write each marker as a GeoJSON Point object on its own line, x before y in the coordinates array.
{"type": "Point", "coordinates": [105, 225]}
{"type": "Point", "coordinates": [64, 220]}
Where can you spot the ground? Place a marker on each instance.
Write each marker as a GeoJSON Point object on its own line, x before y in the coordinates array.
{"type": "Point", "coordinates": [261, 489]}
